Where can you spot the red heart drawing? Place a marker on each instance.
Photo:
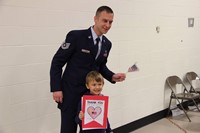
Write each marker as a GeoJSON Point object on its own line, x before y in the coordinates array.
{"type": "Point", "coordinates": [94, 112]}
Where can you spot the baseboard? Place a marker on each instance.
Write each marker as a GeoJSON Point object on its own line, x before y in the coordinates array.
{"type": "Point", "coordinates": [149, 119]}
{"type": "Point", "coordinates": [141, 122]}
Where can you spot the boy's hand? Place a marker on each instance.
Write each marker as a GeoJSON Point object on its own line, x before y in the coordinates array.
{"type": "Point", "coordinates": [81, 115]}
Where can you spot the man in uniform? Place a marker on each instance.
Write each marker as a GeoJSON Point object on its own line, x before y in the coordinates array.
{"type": "Point", "coordinates": [82, 51]}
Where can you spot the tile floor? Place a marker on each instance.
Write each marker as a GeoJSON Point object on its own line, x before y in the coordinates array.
{"type": "Point", "coordinates": [178, 124]}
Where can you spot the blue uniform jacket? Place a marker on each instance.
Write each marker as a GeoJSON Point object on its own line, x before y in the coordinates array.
{"type": "Point", "coordinates": [78, 54]}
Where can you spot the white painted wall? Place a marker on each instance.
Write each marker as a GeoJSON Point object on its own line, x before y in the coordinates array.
{"type": "Point", "coordinates": [31, 31]}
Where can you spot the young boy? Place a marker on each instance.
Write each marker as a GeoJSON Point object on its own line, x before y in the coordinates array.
{"type": "Point", "coordinates": [94, 82]}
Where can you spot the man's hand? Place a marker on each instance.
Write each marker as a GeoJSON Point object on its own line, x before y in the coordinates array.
{"type": "Point", "coordinates": [118, 77]}
{"type": "Point", "coordinates": [58, 96]}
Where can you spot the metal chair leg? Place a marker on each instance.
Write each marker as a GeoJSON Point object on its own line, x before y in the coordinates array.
{"type": "Point", "coordinates": [183, 110]}
{"type": "Point", "coordinates": [169, 106]}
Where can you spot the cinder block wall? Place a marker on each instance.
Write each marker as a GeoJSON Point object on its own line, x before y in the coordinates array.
{"type": "Point", "coordinates": [31, 32]}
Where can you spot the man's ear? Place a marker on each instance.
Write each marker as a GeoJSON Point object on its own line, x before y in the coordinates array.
{"type": "Point", "coordinates": [95, 19]}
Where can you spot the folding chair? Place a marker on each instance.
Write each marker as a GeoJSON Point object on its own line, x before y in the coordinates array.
{"type": "Point", "coordinates": [192, 76]}
{"type": "Point", "coordinates": [183, 94]}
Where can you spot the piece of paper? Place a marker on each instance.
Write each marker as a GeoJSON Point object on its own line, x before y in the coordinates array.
{"type": "Point", "coordinates": [176, 111]}
{"type": "Point", "coordinates": [95, 109]}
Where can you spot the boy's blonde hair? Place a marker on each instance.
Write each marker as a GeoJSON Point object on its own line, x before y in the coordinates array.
{"type": "Point", "coordinates": [94, 75]}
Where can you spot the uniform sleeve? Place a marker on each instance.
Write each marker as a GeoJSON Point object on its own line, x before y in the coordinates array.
{"type": "Point", "coordinates": [107, 74]}
{"type": "Point", "coordinates": [60, 58]}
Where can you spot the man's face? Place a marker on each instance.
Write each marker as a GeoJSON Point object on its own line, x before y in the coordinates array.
{"type": "Point", "coordinates": [103, 22]}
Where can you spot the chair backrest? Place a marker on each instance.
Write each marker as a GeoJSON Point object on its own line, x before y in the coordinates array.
{"type": "Point", "coordinates": [191, 76]}
{"type": "Point", "coordinates": [172, 81]}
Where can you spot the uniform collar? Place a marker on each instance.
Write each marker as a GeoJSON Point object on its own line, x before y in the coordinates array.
{"type": "Point", "coordinates": [94, 35]}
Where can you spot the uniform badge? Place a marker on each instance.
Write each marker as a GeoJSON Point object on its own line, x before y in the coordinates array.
{"type": "Point", "coordinates": [105, 53]}
{"type": "Point", "coordinates": [65, 45]}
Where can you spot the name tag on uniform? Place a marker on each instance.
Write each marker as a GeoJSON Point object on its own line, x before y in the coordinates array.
{"type": "Point", "coordinates": [85, 51]}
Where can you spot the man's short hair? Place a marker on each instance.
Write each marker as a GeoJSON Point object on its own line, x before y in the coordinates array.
{"type": "Point", "coordinates": [104, 8]}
